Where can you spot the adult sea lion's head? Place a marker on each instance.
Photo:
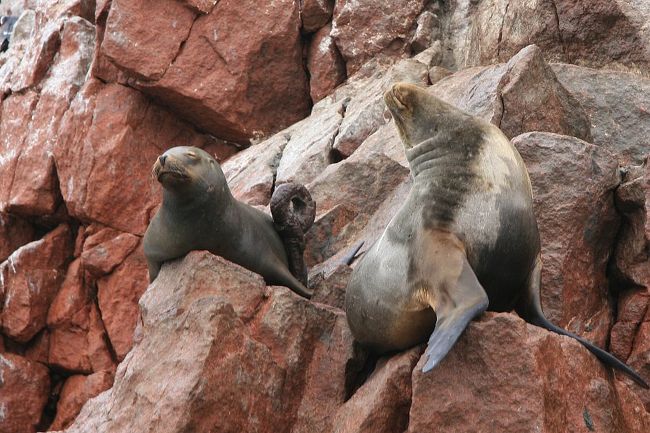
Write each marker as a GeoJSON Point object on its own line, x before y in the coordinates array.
{"type": "Point", "coordinates": [418, 115]}
{"type": "Point", "coordinates": [189, 171]}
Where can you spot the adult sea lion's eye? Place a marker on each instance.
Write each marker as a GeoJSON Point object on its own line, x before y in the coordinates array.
{"type": "Point", "coordinates": [191, 155]}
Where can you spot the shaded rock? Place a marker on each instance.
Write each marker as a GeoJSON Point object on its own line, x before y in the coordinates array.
{"type": "Point", "coordinates": [78, 338]}
{"type": "Point", "coordinates": [631, 264]}
{"type": "Point", "coordinates": [382, 404]}
{"type": "Point", "coordinates": [238, 358]}
{"type": "Point", "coordinates": [76, 391]}
{"type": "Point", "coordinates": [364, 29]}
{"type": "Point", "coordinates": [617, 105]}
{"type": "Point", "coordinates": [37, 349]}
{"type": "Point", "coordinates": [554, 383]}
{"type": "Point", "coordinates": [315, 14]}
{"type": "Point", "coordinates": [114, 133]}
{"type": "Point", "coordinates": [520, 96]}
{"type": "Point", "coordinates": [437, 73]}
{"type": "Point", "coordinates": [103, 258]}
{"type": "Point", "coordinates": [325, 65]}
{"type": "Point", "coordinates": [259, 88]}
{"type": "Point", "coordinates": [363, 184]}
{"type": "Point", "coordinates": [639, 359]}
{"type": "Point", "coordinates": [14, 233]}
{"type": "Point", "coordinates": [632, 307]}
{"type": "Point", "coordinates": [203, 6]}
{"type": "Point", "coordinates": [118, 295]}
{"type": "Point", "coordinates": [329, 287]}
{"type": "Point", "coordinates": [426, 32]}
{"type": "Point", "coordinates": [614, 34]}
{"type": "Point", "coordinates": [577, 222]}
{"type": "Point", "coordinates": [23, 394]}
{"type": "Point", "coordinates": [30, 278]}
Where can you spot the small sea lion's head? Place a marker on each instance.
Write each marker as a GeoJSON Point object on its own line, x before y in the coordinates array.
{"type": "Point", "coordinates": [186, 168]}
{"type": "Point", "coordinates": [418, 115]}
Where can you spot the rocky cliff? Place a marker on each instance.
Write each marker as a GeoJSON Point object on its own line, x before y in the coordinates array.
{"type": "Point", "coordinates": [92, 92]}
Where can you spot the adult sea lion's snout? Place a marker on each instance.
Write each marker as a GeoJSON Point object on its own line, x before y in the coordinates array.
{"type": "Point", "coordinates": [171, 169]}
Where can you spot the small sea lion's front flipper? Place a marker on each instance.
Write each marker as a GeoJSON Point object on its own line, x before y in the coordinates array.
{"type": "Point", "coordinates": [456, 303]}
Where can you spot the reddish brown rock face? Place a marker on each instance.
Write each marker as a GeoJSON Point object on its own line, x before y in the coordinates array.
{"type": "Point", "coordinates": [23, 394]}
{"type": "Point", "coordinates": [236, 94]}
{"type": "Point", "coordinates": [31, 277]}
{"type": "Point", "coordinates": [554, 382]}
{"type": "Point", "coordinates": [578, 223]}
{"type": "Point", "coordinates": [92, 92]}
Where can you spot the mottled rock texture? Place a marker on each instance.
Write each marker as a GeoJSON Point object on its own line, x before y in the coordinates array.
{"type": "Point", "coordinates": [91, 92]}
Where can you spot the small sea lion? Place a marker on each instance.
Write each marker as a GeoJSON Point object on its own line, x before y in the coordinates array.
{"type": "Point", "coordinates": [465, 239]}
{"type": "Point", "coordinates": [198, 212]}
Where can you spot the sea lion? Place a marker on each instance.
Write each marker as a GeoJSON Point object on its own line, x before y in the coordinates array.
{"type": "Point", "coordinates": [465, 239]}
{"type": "Point", "coordinates": [198, 212]}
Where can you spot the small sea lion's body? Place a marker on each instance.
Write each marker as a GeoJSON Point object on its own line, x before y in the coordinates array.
{"type": "Point", "coordinates": [198, 212]}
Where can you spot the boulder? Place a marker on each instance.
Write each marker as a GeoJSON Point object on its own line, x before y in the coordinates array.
{"type": "Point", "coordinates": [325, 64]}
{"type": "Point", "coordinates": [30, 279]}
{"type": "Point", "coordinates": [573, 194]}
{"type": "Point", "coordinates": [517, 377]}
{"type": "Point", "coordinates": [23, 394]}
{"type": "Point", "coordinates": [238, 356]}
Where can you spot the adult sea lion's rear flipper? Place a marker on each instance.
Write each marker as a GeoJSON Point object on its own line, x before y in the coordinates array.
{"type": "Point", "coordinates": [456, 304]}
{"type": "Point", "coordinates": [529, 308]}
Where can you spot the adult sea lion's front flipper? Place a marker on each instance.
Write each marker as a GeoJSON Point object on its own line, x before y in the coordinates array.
{"type": "Point", "coordinates": [455, 303]}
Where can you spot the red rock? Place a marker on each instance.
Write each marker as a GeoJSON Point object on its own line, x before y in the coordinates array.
{"type": "Point", "coordinates": [118, 295]}
{"type": "Point", "coordinates": [23, 394]}
{"type": "Point", "coordinates": [76, 391]}
{"type": "Point", "coordinates": [578, 223]}
{"type": "Point", "coordinates": [520, 96]}
{"type": "Point", "coordinates": [143, 38]}
{"type": "Point", "coordinates": [639, 359]}
{"type": "Point", "coordinates": [364, 29]}
{"type": "Point", "coordinates": [617, 106]}
{"type": "Point", "coordinates": [103, 258]}
{"type": "Point", "coordinates": [315, 14]}
{"type": "Point", "coordinates": [259, 88]}
{"type": "Point", "coordinates": [325, 64]}
{"type": "Point", "coordinates": [78, 338]}
{"type": "Point", "coordinates": [16, 114]}
{"type": "Point", "coordinates": [517, 377]}
{"type": "Point", "coordinates": [38, 348]}
{"type": "Point", "coordinates": [34, 189]}
{"type": "Point", "coordinates": [31, 277]}
{"type": "Point", "coordinates": [113, 133]}
{"type": "Point", "coordinates": [14, 233]}
{"type": "Point", "coordinates": [382, 404]}
{"type": "Point", "coordinates": [632, 307]}
{"type": "Point", "coordinates": [223, 379]}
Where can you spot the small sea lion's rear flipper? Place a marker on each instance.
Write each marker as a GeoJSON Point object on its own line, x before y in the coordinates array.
{"type": "Point", "coordinates": [455, 304]}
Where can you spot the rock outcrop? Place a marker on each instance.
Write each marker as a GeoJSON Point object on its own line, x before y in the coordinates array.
{"type": "Point", "coordinates": [91, 92]}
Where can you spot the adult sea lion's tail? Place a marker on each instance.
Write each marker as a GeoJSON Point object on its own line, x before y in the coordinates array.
{"type": "Point", "coordinates": [530, 309]}
{"type": "Point", "coordinates": [293, 211]}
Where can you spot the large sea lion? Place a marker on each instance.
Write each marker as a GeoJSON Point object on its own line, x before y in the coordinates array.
{"type": "Point", "coordinates": [465, 239]}
{"type": "Point", "coordinates": [198, 212]}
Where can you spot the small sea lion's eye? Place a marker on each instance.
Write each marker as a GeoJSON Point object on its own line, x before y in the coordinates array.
{"type": "Point", "coordinates": [191, 155]}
